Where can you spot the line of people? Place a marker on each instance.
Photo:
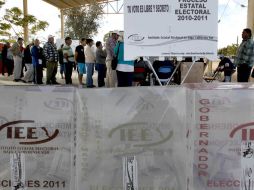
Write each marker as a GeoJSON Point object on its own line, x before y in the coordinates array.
{"type": "Point", "coordinates": [16, 59]}
{"type": "Point", "coordinates": [85, 59]}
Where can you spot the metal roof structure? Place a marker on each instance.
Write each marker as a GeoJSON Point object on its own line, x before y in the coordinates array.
{"type": "Point", "coordinates": [67, 4]}
{"type": "Point", "coordinates": [109, 7]}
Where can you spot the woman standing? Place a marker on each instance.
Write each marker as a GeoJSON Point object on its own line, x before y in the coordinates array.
{"type": "Point", "coordinates": [124, 69]}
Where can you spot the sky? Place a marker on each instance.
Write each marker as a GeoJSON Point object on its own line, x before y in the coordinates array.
{"type": "Point", "coordinates": [232, 16]}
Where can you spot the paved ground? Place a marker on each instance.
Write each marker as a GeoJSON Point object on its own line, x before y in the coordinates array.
{"type": "Point", "coordinates": [5, 80]}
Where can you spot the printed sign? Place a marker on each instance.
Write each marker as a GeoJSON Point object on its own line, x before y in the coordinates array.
{"type": "Point", "coordinates": [131, 139]}
{"type": "Point", "coordinates": [170, 28]}
{"type": "Point", "coordinates": [36, 138]}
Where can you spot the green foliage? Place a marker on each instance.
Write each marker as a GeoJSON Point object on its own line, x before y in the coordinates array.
{"type": "Point", "coordinates": [230, 50]}
{"type": "Point", "coordinates": [15, 20]}
{"type": "Point", "coordinates": [4, 28]}
{"type": "Point", "coordinates": [106, 36]}
{"type": "Point", "coordinates": [83, 22]}
{"type": "Point", "coordinates": [2, 2]}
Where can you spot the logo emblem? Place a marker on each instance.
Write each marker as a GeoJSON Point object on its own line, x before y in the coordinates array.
{"type": "Point", "coordinates": [247, 133]}
{"type": "Point", "coordinates": [27, 135]}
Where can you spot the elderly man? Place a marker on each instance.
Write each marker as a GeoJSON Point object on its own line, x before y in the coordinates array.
{"type": "Point", "coordinates": [17, 51]}
{"type": "Point", "coordinates": [51, 55]}
{"type": "Point", "coordinates": [110, 45]}
{"type": "Point", "coordinates": [244, 56]}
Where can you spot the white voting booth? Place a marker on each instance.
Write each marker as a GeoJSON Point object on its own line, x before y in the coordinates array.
{"type": "Point", "coordinates": [189, 137]}
{"type": "Point", "coordinates": [171, 29]}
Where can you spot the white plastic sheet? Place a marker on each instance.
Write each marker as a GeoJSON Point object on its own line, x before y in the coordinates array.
{"type": "Point", "coordinates": [223, 120]}
{"type": "Point", "coordinates": [144, 124]}
{"type": "Point", "coordinates": [192, 137]}
{"type": "Point", "coordinates": [36, 138]}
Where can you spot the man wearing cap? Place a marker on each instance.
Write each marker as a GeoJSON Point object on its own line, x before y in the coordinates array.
{"type": "Point", "coordinates": [17, 51]}
{"type": "Point", "coordinates": [51, 55]}
{"type": "Point", "coordinates": [111, 78]}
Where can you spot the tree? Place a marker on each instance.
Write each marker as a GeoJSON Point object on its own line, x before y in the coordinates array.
{"type": "Point", "coordinates": [230, 50]}
{"type": "Point", "coordinates": [1, 3]}
{"type": "Point", "coordinates": [15, 20]}
{"type": "Point", "coordinates": [3, 26]}
{"type": "Point", "coordinates": [83, 22]}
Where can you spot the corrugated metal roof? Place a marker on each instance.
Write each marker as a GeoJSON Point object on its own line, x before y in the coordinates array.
{"type": "Point", "coordinates": [66, 4]}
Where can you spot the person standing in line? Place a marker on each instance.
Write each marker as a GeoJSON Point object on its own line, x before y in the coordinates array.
{"type": "Point", "coordinates": [29, 75]}
{"type": "Point", "coordinates": [124, 69]}
{"type": "Point", "coordinates": [4, 57]}
{"type": "Point", "coordinates": [68, 60]}
{"type": "Point", "coordinates": [37, 57]}
{"type": "Point", "coordinates": [90, 61]}
{"type": "Point", "coordinates": [80, 60]}
{"type": "Point", "coordinates": [51, 55]}
{"type": "Point", "coordinates": [9, 60]}
{"type": "Point", "coordinates": [110, 45]}
{"type": "Point", "coordinates": [61, 60]}
{"type": "Point", "coordinates": [17, 51]}
{"type": "Point", "coordinates": [245, 56]}
{"type": "Point", "coordinates": [100, 62]}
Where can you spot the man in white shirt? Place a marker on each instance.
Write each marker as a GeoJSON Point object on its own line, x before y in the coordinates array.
{"type": "Point", "coordinates": [90, 62]}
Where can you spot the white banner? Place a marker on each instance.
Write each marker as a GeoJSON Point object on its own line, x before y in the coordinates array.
{"type": "Point", "coordinates": [36, 138]}
{"type": "Point", "coordinates": [170, 28]}
{"type": "Point", "coordinates": [132, 139]}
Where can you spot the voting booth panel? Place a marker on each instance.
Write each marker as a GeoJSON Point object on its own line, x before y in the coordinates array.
{"type": "Point", "coordinates": [132, 139]}
{"type": "Point", "coordinates": [36, 138]}
{"type": "Point", "coordinates": [223, 138]}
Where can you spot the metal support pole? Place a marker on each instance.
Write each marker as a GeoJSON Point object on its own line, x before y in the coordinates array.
{"type": "Point", "coordinates": [178, 64]}
{"type": "Point", "coordinates": [25, 26]}
{"type": "Point", "coordinates": [62, 23]}
{"type": "Point", "coordinates": [151, 67]}
{"type": "Point", "coordinates": [250, 16]}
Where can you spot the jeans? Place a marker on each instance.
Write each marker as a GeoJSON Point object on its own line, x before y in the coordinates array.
{"type": "Point", "coordinates": [227, 79]}
{"type": "Point", "coordinates": [89, 74]}
{"type": "Point", "coordinates": [101, 74]}
{"type": "Point", "coordinates": [68, 72]}
{"type": "Point", "coordinates": [61, 69]}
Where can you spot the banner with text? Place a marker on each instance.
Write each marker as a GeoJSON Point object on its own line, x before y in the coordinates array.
{"type": "Point", "coordinates": [36, 138]}
{"type": "Point", "coordinates": [132, 139]}
{"type": "Point", "coordinates": [170, 28]}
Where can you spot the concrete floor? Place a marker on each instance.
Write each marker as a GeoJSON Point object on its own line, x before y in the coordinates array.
{"type": "Point", "coordinates": [5, 80]}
